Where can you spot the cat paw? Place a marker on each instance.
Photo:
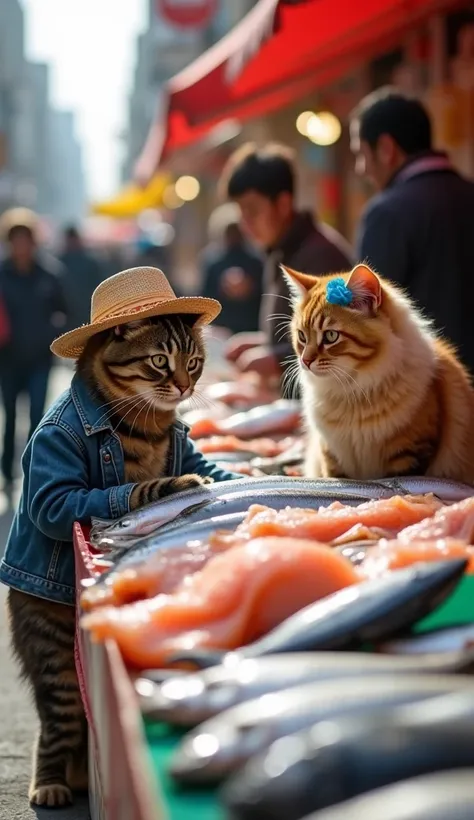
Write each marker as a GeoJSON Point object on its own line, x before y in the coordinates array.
{"type": "Point", "coordinates": [53, 795]}
{"type": "Point", "coordinates": [189, 482]}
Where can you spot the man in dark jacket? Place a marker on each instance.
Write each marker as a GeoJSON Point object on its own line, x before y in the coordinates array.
{"type": "Point", "coordinates": [35, 306]}
{"type": "Point", "coordinates": [419, 229]}
{"type": "Point", "coordinates": [82, 275]}
{"type": "Point", "coordinates": [262, 182]}
{"type": "Point", "coordinates": [232, 273]}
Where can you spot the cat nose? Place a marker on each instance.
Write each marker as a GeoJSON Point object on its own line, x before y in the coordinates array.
{"type": "Point", "coordinates": [181, 387]}
{"type": "Point", "coordinates": [307, 362]}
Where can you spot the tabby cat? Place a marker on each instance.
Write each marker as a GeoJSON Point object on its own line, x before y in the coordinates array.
{"type": "Point", "coordinates": [383, 395]}
{"type": "Point", "coordinates": [138, 373]}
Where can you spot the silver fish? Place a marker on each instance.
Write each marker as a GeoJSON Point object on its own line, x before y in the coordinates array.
{"type": "Point", "coordinates": [281, 415]}
{"type": "Point", "coordinates": [232, 456]}
{"type": "Point", "coordinates": [149, 518]}
{"type": "Point", "coordinates": [293, 456]}
{"type": "Point", "coordinates": [443, 488]}
{"type": "Point", "coordinates": [359, 614]}
{"type": "Point", "coordinates": [220, 745]}
{"type": "Point", "coordinates": [277, 499]}
{"type": "Point", "coordinates": [177, 537]}
{"type": "Point", "coordinates": [439, 796]}
{"type": "Point", "coordinates": [152, 516]}
{"type": "Point", "coordinates": [448, 639]}
{"type": "Point", "coordinates": [188, 700]}
{"type": "Point", "coordinates": [354, 755]}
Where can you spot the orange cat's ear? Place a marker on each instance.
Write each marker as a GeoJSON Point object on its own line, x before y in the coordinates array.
{"type": "Point", "coordinates": [300, 284]}
{"type": "Point", "coordinates": [366, 288]}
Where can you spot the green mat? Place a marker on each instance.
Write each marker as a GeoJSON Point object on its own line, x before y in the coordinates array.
{"type": "Point", "coordinates": [456, 610]}
{"type": "Point", "coordinates": [200, 804]}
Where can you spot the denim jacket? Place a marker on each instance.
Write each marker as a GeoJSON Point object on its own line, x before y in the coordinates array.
{"type": "Point", "coordinates": [74, 469]}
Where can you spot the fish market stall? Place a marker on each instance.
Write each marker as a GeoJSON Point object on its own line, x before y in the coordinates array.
{"type": "Point", "coordinates": [225, 633]}
{"type": "Point", "coordinates": [136, 725]}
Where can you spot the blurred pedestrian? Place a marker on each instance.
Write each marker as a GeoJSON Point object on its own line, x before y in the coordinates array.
{"type": "Point", "coordinates": [262, 182]}
{"type": "Point", "coordinates": [35, 306]}
{"type": "Point", "coordinates": [418, 229]}
{"type": "Point", "coordinates": [232, 272]}
{"type": "Point", "coordinates": [83, 273]}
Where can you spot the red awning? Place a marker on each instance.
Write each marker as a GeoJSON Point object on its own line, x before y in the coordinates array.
{"type": "Point", "coordinates": [280, 51]}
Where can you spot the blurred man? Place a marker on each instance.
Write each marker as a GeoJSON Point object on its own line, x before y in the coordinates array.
{"type": "Point", "coordinates": [262, 183]}
{"type": "Point", "coordinates": [82, 275]}
{"type": "Point", "coordinates": [418, 230]}
{"type": "Point", "coordinates": [34, 301]}
{"type": "Point", "coordinates": [231, 272]}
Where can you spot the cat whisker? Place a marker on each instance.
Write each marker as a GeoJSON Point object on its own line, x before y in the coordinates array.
{"type": "Point", "coordinates": [352, 397]}
{"type": "Point", "coordinates": [290, 390]}
{"type": "Point", "coordinates": [120, 406]}
{"type": "Point", "coordinates": [280, 296]}
{"type": "Point", "coordinates": [283, 316]}
{"type": "Point", "coordinates": [207, 402]}
{"type": "Point", "coordinates": [290, 379]}
{"type": "Point", "coordinates": [139, 401]}
{"type": "Point", "coordinates": [356, 385]}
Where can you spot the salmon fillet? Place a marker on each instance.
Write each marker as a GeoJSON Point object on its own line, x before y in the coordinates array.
{"type": "Point", "coordinates": [159, 573]}
{"type": "Point", "coordinates": [391, 555]}
{"type": "Point", "coordinates": [235, 599]}
{"type": "Point", "coordinates": [448, 534]}
{"type": "Point", "coordinates": [265, 447]}
{"type": "Point", "coordinates": [456, 521]}
{"type": "Point", "coordinates": [329, 523]}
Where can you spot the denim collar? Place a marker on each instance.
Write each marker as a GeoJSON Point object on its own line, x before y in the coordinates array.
{"type": "Point", "coordinates": [94, 418]}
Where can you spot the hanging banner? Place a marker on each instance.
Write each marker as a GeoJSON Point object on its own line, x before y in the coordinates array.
{"type": "Point", "coordinates": [187, 13]}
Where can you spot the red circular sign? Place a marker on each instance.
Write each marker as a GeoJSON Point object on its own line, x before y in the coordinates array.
{"type": "Point", "coordinates": [187, 13]}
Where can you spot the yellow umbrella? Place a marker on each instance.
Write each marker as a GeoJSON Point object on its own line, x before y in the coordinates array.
{"type": "Point", "coordinates": [133, 200]}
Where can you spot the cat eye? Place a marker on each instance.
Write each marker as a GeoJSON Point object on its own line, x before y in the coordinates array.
{"type": "Point", "coordinates": [302, 337]}
{"type": "Point", "coordinates": [159, 361]}
{"type": "Point", "coordinates": [193, 363]}
{"type": "Point", "coordinates": [330, 336]}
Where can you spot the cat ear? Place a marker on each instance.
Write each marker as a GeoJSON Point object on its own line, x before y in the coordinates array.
{"type": "Point", "coordinates": [300, 284]}
{"type": "Point", "coordinates": [366, 289]}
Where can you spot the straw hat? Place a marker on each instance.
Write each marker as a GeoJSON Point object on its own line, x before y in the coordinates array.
{"type": "Point", "coordinates": [130, 295]}
{"type": "Point", "coordinates": [16, 218]}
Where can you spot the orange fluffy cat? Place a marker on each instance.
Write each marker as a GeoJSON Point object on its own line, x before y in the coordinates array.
{"type": "Point", "coordinates": [382, 395]}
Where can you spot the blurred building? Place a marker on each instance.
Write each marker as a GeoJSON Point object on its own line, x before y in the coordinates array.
{"type": "Point", "coordinates": [14, 157]}
{"type": "Point", "coordinates": [67, 199]}
{"type": "Point", "coordinates": [40, 157]}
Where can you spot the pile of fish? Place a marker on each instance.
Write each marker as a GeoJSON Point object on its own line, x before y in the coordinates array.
{"type": "Point", "coordinates": [274, 619]}
{"type": "Point", "coordinates": [246, 429]}
{"type": "Point", "coordinates": [275, 622]}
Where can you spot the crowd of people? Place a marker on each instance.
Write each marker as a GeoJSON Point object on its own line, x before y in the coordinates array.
{"type": "Point", "coordinates": [416, 231]}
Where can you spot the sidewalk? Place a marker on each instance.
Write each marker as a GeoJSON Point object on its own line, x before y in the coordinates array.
{"type": "Point", "coordinates": [17, 719]}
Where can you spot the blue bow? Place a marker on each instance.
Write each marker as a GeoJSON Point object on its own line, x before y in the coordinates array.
{"type": "Point", "coordinates": [337, 293]}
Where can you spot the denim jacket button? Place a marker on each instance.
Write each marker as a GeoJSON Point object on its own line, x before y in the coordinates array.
{"type": "Point", "coordinates": [107, 458]}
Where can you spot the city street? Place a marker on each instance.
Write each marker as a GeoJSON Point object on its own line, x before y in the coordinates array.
{"type": "Point", "coordinates": [17, 720]}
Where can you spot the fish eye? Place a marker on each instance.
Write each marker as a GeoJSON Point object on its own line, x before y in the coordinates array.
{"type": "Point", "coordinates": [159, 361]}
{"type": "Point", "coordinates": [330, 336]}
{"type": "Point", "coordinates": [302, 337]}
{"type": "Point", "coordinates": [124, 524]}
